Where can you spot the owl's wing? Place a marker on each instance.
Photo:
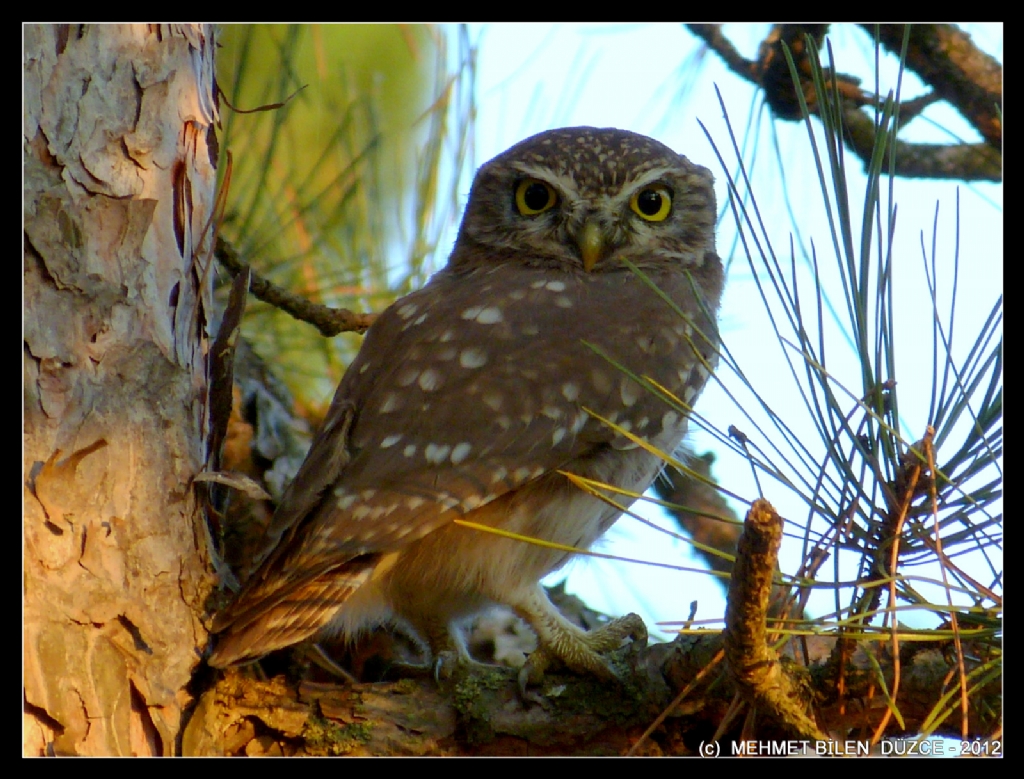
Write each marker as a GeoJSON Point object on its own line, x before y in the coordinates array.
{"type": "Point", "coordinates": [459, 402]}
{"type": "Point", "coordinates": [450, 404]}
{"type": "Point", "coordinates": [267, 590]}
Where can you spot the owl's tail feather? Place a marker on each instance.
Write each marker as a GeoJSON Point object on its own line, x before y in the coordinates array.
{"type": "Point", "coordinates": [250, 628]}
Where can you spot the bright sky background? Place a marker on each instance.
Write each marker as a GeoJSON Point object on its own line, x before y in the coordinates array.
{"type": "Point", "coordinates": [644, 78]}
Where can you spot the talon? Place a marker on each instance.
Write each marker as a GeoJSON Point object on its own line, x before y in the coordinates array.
{"type": "Point", "coordinates": [532, 672]}
{"type": "Point", "coordinates": [316, 655]}
{"type": "Point", "coordinates": [448, 663]}
{"type": "Point", "coordinates": [638, 630]}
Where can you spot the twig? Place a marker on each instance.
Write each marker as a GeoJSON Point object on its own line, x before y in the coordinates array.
{"type": "Point", "coordinates": [329, 321]}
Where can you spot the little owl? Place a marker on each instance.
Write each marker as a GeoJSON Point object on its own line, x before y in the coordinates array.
{"type": "Point", "coordinates": [570, 333]}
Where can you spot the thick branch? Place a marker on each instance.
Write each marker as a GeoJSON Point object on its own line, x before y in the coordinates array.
{"type": "Point", "coordinates": [968, 161]}
{"type": "Point", "coordinates": [946, 59]}
{"type": "Point", "coordinates": [481, 713]}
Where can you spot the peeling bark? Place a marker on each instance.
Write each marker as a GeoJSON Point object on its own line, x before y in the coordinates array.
{"type": "Point", "coordinates": [119, 185]}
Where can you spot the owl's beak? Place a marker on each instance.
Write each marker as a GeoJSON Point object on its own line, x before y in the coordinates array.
{"type": "Point", "coordinates": [592, 243]}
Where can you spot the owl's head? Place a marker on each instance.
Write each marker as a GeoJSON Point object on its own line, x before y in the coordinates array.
{"type": "Point", "coordinates": [581, 198]}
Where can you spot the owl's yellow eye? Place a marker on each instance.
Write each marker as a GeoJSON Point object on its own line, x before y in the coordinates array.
{"type": "Point", "coordinates": [534, 197]}
{"type": "Point", "coordinates": [652, 203]}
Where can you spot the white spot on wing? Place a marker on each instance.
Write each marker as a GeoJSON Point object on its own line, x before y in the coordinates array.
{"type": "Point", "coordinates": [472, 357]}
{"type": "Point", "coordinates": [409, 450]}
{"type": "Point", "coordinates": [489, 316]}
{"type": "Point", "coordinates": [629, 391]}
{"type": "Point", "coordinates": [391, 440]}
{"type": "Point", "coordinates": [391, 403]}
{"type": "Point", "coordinates": [580, 422]}
{"type": "Point", "coordinates": [471, 502]}
{"type": "Point", "coordinates": [556, 286]}
{"type": "Point", "coordinates": [436, 453]}
{"type": "Point", "coordinates": [670, 421]}
{"type": "Point", "coordinates": [683, 330]}
{"type": "Point", "coordinates": [485, 315]}
{"type": "Point", "coordinates": [430, 380]}
{"type": "Point", "coordinates": [460, 452]}
{"type": "Point", "coordinates": [570, 391]}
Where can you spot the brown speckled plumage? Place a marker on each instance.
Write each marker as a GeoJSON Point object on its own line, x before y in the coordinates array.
{"type": "Point", "coordinates": [469, 396]}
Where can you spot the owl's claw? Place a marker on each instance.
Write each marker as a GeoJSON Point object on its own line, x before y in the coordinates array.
{"type": "Point", "coordinates": [584, 653]}
{"type": "Point", "coordinates": [316, 655]}
{"type": "Point", "coordinates": [444, 666]}
{"type": "Point", "coordinates": [610, 636]}
{"type": "Point", "coordinates": [450, 663]}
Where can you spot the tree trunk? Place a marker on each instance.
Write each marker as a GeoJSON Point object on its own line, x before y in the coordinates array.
{"type": "Point", "coordinates": [120, 173]}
